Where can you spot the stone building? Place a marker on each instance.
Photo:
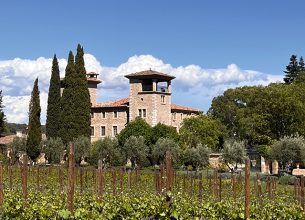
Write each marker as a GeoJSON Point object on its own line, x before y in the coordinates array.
{"type": "Point", "coordinates": [149, 98]}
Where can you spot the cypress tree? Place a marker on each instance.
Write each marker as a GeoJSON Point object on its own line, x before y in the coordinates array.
{"type": "Point", "coordinates": [67, 128]}
{"type": "Point", "coordinates": [82, 96]}
{"type": "Point", "coordinates": [2, 116]}
{"type": "Point", "coordinates": [292, 70]}
{"type": "Point", "coordinates": [53, 110]}
{"type": "Point", "coordinates": [34, 127]}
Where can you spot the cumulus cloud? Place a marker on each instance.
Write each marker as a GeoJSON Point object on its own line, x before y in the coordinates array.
{"type": "Point", "coordinates": [194, 85]}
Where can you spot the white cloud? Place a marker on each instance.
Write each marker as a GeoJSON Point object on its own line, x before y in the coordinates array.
{"type": "Point", "coordinates": [194, 85]}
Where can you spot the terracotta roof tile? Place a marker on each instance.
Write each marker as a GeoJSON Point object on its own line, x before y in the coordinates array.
{"type": "Point", "coordinates": [116, 103]}
{"type": "Point", "coordinates": [7, 139]}
{"type": "Point", "coordinates": [184, 108]}
{"type": "Point", "coordinates": [150, 73]}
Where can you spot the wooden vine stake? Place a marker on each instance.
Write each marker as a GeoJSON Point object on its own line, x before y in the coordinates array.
{"type": "Point", "coordinates": [169, 171]}
{"type": "Point", "coordinates": [71, 179]}
{"type": "Point", "coordinates": [1, 186]}
{"type": "Point", "coordinates": [114, 176]}
{"type": "Point", "coordinates": [61, 178]}
{"type": "Point", "coordinates": [100, 179]}
{"type": "Point", "coordinates": [220, 188]}
{"type": "Point", "coordinates": [11, 177]}
{"type": "Point", "coordinates": [247, 189]}
{"type": "Point", "coordinates": [81, 176]}
{"type": "Point", "coordinates": [302, 192]}
{"type": "Point", "coordinates": [24, 177]}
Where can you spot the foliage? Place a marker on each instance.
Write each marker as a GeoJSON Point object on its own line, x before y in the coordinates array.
{"type": "Point", "coordinates": [135, 149]}
{"type": "Point", "coordinates": [12, 128]}
{"type": "Point", "coordinates": [292, 70]}
{"type": "Point", "coordinates": [67, 119]}
{"type": "Point", "coordinates": [106, 149]}
{"type": "Point", "coordinates": [137, 127]}
{"type": "Point", "coordinates": [81, 95]}
{"type": "Point", "coordinates": [16, 146]}
{"type": "Point", "coordinates": [289, 149]}
{"type": "Point", "coordinates": [164, 131]}
{"type": "Point", "coordinates": [53, 109]}
{"type": "Point", "coordinates": [54, 149]}
{"type": "Point", "coordinates": [196, 156]}
{"type": "Point", "coordinates": [260, 114]}
{"type": "Point", "coordinates": [34, 128]}
{"type": "Point", "coordinates": [287, 180]}
{"type": "Point", "coordinates": [162, 146]}
{"type": "Point", "coordinates": [82, 148]}
{"type": "Point", "coordinates": [233, 152]}
{"type": "Point", "coordinates": [264, 151]}
{"type": "Point", "coordinates": [201, 130]}
{"type": "Point", "coordinates": [75, 101]}
{"type": "Point", "coordinates": [2, 116]}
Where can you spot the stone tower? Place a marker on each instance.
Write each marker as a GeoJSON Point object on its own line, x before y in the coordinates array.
{"type": "Point", "coordinates": [150, 97]}
{"type": "Point", "coordinates": [92, 86]}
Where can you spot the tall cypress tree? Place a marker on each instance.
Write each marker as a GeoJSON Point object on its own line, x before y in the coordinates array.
{"type": "Point", "coordinates": [53, 110]}
{"type": "Point", "coordinates": [67, 119]}
{"type": "Point", "coordinates": [292, 70]}
{"type": "Point", "coordinates": [2, 116]}
{"type": "Point", "coordinates": [82, 96]}
{"type": "Point", "coordinates": [34, 127]}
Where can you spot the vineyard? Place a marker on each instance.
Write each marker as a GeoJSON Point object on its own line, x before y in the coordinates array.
{"type": "Point", "coordinates": [68, 192]}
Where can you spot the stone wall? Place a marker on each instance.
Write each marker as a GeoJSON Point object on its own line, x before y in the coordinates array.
{"type": "Point", "coordinates": [177, 118]}
{"type": "Point", "coordinates": [156, 110]}
{"type": "Point", "coordinates": [109, 121]}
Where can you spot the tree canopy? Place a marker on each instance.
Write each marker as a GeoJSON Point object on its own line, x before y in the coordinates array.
{"type": "Point", "coordinates": [53, 109]}
{"type": "Point", "coordinates": [202, 130]}
{"type": "Point", "coordinates": [2, 116]}
{"type": "Point", "coordinates": [34, 127]}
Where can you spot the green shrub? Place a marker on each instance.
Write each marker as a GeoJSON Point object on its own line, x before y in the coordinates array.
{"type": "Point", "coordinates": [287, 180]}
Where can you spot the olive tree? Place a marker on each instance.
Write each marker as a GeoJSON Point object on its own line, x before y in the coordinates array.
{"type": "Point", "coordinates": [162, 146]}
{"type": "Point", "coordinates": [54, 149]}
{"type": "Point", "coordinates": [135, 149]}
{"type": "Point", "coordinates": [106, 149]}
{"type": "Point", "coordinates": [289, 150]}
{"type": "Point", "coordinates": [233, 153]}
{"type": "Point", "coordinates": [197, 156]}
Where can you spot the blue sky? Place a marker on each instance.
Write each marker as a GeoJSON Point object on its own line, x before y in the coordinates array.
{"type": "Point", "coordinates": [200, 40]}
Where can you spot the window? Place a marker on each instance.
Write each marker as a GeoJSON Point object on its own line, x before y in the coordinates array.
{"type": "Point", "coordinates": [115, 130]}
{"type": "Point", "coordinates": [103, 131]}
{"type": "Point", "coordinates": [92, 115]}
{"type": "Point", "coordinates": [92, 131]}
{"type": "Point", "coordinates": [103, 114]}
{"type": "Point", "coordinates": [174, 116]}
{"type": "Point", "coordinates": [142, 113]}
{"type": "Point", "coordinates": [115, 114]}
{"type": "Point", "coordinates": [162, 99]}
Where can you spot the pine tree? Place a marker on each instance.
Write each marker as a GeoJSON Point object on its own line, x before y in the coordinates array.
{"type": "Point", "coordinates": [53, 110]}
{"type": "Point", "coordinates": [292, 70]}
{"type": "Point", "coordinates": [301, 65]}
{"type": "Point", "coordinates": [2, 116]}
{"type": "Point", "coordinates": [34, 127]}
{"type": "Point", "coordinates": [67, 128]}
{"type": "Point", "coordinates": [82, 96]}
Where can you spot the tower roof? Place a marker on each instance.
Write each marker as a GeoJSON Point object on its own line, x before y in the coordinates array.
{"type": "Point", "coordinates": [147, 74]}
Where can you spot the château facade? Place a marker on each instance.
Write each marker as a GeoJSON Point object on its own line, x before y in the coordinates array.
{"type": "Point", "coordinates": [149, 98]}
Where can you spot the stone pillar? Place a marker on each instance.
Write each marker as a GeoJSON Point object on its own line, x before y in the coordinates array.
{"type": "Point", "coordinates": [169, 86]}
{"type": "Point", "coordinates": [275, 167]}
{"type": "Point", "coordinates": [154, 81]}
